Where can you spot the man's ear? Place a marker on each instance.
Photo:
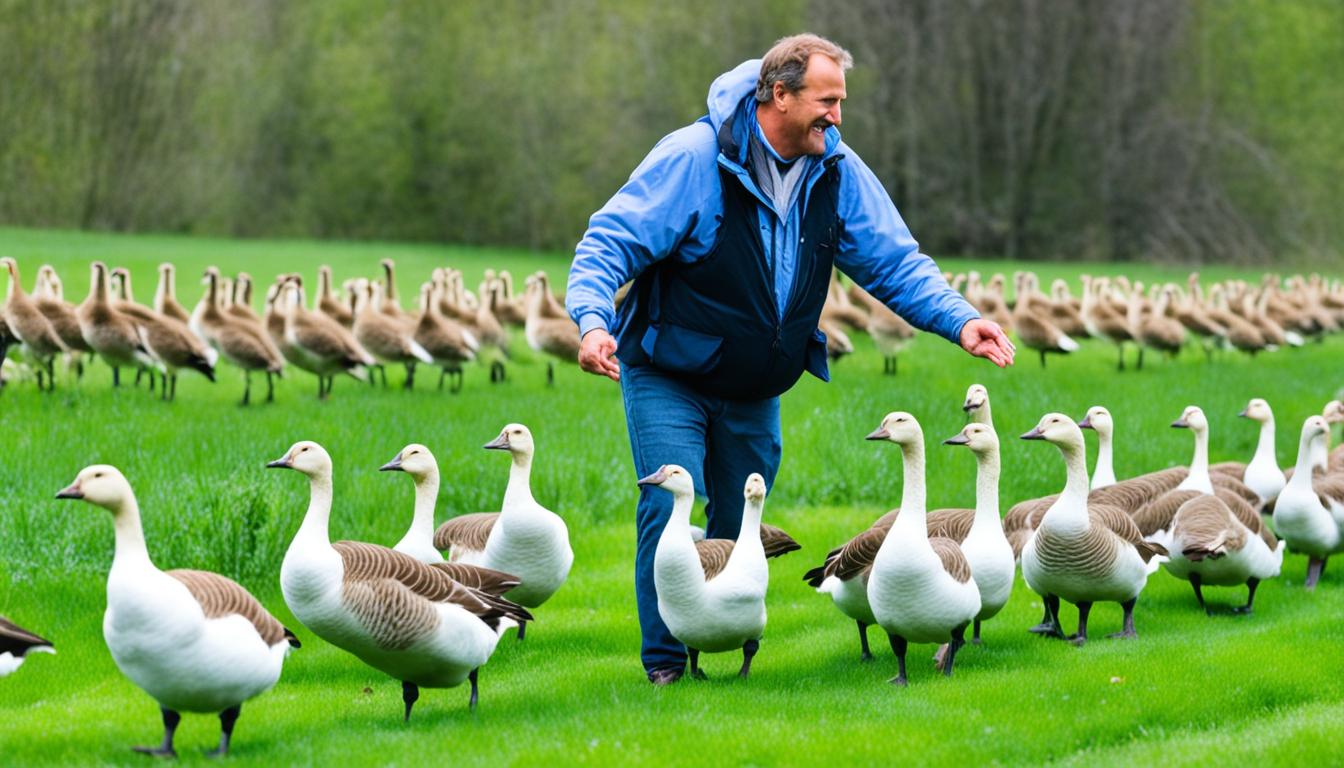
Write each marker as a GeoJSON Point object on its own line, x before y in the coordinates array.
{"type": "Point", "coordinates": [779, 92]}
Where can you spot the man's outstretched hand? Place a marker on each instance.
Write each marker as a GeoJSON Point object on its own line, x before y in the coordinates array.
{"type": "Point", "coordinates": [597, 353]}
{"type": "Point", "coordinates": [984, 338]}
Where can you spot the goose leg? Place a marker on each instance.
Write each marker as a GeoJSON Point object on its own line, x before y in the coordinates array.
{"type": "Point", "coordinates": [1251, 584]}
{"type": "Point", "coordinates": [51, 374]}
{"type": "Point", "coordinates": [1080, 637]}
{"type": "Point", "coordinates": [522, 630]}
{"type": "Point", "coordinates": [1121, 349]}
{"type": "Point", "coordinates": [1198, 584]}
{"type": "Point", "coordinates": [247, 387]}
{"type": "Point", "coordinates": [409, 693]}
{"type": "Point", "coordinates": [163, 391]}
{"type": "Point", "coordinates": [497, 372]}
{"type": "Point", "coordinates": [170, 721]}
{"type": "Point", "coordinates": [475, 689]}
{"type": "Point", "coordinates": [139, 374]}
{"type": "Point", "coordinates": [226, 720]}
{"type": "Point", "coordinates": [442, 373]}
{"type": "Point", "coordinates": [40, 386]}
{"type": "Point", "coordinates": [1049, 626]}
{"type": "Point", "coordinates": [748, 653]}
{"type": "Point", "coordinates": [867, 655]}
{"type": "Point", "coordinates": [1139, 367]}
{"type": "Point", "coordinates": [898, 646]}
{"type": "Point", "coordinates": [550, 374]}
{"type": "Point", "coordinates": [116, 376]}
{"type": "Point", "coordinates": [696, 672]}
{"type": "Point", "coordinates": [975, 637]}
{"type": "Point", "coordinates": [410, 376]}
{"type": "Point", "coordinates": [1128, 630]}
{"type": "Point", "coordinates": [173, 396]}
{"type": "Point", "coordinates": [270, 388]}
{"type": "Point", "coordinates": [895, 363]}
{"type": "Point", "coordinates": [459, 378]}
{"type": "Point", "coordinates": [958, 640]}
{"type": "Point", "coordinates": [1042, 359]}
{"type": "Point", "coordinates": [1315, 567]}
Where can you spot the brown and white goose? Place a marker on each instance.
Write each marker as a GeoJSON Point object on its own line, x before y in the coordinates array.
{"type": "Point", "coordinates": [243, 343]}
{"type": "Point", "coordinates": [318, 343]}
{"type": "Point", "coordinates": [1309, 512]}
{"type": "Point", "coordinates": [1211, 545]}
{"type": "Point", "coordinates": [1263, 474]}
{"type": "Point", "coordinates": [171, 343]}
{"type": "Point", "coordinates": [388, 339]}
{"type": "Point", "coordinates": [16, 643]}
{"type": "Point", "coordinates": [555, 337]}
{"type": "Point", "coordinates": [449, 343]}
{"type": "Point", "coordinates": [110, 332]}
{"type": "Point", "coordinates": [49, 297]}
{"type": "Point", "coordinates": [39, 340]}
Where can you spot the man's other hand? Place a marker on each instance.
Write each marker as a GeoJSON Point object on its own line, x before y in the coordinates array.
{"type": "Point", "coordinates": [597, 354]}
{"type": "Point", "coordinates": [984, 338]}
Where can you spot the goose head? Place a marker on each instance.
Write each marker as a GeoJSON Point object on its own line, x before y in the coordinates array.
{"type": "Point", "coordinates": [1334, 412]}
{"type": "Point", "coordinates": [514, 438]}
{"type": "Point", "coordinates": [976, 398]}
{"type": "Point", "coordinates": [898, 427]}
{"type": "Point", "coordinates": [305, 456]}
{"type": "Point", "coordinates": [754, 490]}
{"type": "Point", "coordinates": [101, 484]}
{"type": "Point", "coordinates": [1099, 419]}
{"type": "Point", "coordinates": [980, 438]}
{"type": "Point", "coordinates": [1258, 410]}
{"type": "Point", "coordinates": [415, 460]}
{"type": "Point", "coordinates": [1192, 418]}
{"type": "Point", "coordinates": [674, 478]}
{"type": "Point", "coordinates": [1314, 428]}
{"type": "Point", "coordinates": [1057, 429]}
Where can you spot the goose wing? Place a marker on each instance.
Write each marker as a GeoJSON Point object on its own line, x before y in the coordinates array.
{"type": "Point", "coordinates": [714, 555]}
{"type": "Point", "coordinates": [1329, 489]}
{"type": "Point", "coordinates": [469, 532]}
{"type": "Point", "coordinates": [1208, 529]}
{"type": "Point", "coordinates": [222, 596]}
{"type": "Point", "coordinates": [856, 556]}
{"type": "Point", "coordinates": [1157, 514]}
{"type": "Point", "coordinates": [1230, 468]}
{"type": "Point", "coordinates": [777, 542]}
{"type": "Point", "coordinates": [1122, 525]}
{"type": "Point", "coordinates": [952, 524]}
{"type": "Point", "coordinates": [954, 562]}
{"type": "Point", "coordinates": [487, 580]}
{"type": "Point", "coordinates": [1222, 482]}
{"type": "Point", "coordinates": [17, 640]}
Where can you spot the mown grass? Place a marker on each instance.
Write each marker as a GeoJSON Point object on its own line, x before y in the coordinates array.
{"type": "Point", "coordinates": [1268, 688]}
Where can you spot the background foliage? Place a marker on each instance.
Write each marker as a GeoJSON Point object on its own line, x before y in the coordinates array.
{"type": "Point", "coordinates": [1024, 128]}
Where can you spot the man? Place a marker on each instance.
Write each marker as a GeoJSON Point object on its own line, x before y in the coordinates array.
{"type": "Point", "coordinates": [730, 229]}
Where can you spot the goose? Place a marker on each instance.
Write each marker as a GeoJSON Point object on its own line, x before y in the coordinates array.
{"type": "Point", "coordinates": [165, 295]}
{"type": "Point", "coordinates": [523, 538]}
{"type": "Point", "coordinates": [49, 299]}
{"type": "Point", "coordinates": [1157, 331]}
{"type": "Point", "coordinates": [551, 306]}
{"type": "Point", "coordinates": [448, 343]}
{"type": "Point", "coordinates": [837, 308]}
{"type": "Point", "coordinates": [402, 617]}
{"type": "Point", "coordinates": [1102, 321]}
{"type": "Point", "coordinates": [171, 343]}
{"type": "Point", "coordinates": [16, 643]}
{"type": "Point", "coordinates": [319, 343]}
{"type": "Point", "coordinates": [1211, 545]}
{"type": "Point", "coordinates": [327, 304]}
{"type": "Point", "coordinates": [240, 306]}
{"type": "Point", "coordinates": [1036, 327]}
{"type": "Point", "coordinates": [920, 588]}
{"type": "Point", "coordinates": [976, 405]}
{"type": "Point", "coordinates": [838, 343]}
{"type": "Point", "coordinates": [557, 337]}
{"type": "Point", "coordinates": [711, 593]}
{"type": "Point", "coordinates": [194, 641]}
{"type": "Point", "coordinates": [510, 309]}
{"type": "Point", "coordinates": [34, 331]}
{"type": "Point", "coordinates": [244, 344]}
{"type": "Point", "coordinates": [1084, 552]}
{"type": "Point", "coordinates": [387, 339]}
{"type": "Point", "coordinates": [490, 331]}
{"type": "Point", "coordinates": [1065, 310]}
{"type": "Point", "coordinates": [110, 332]}
{"type": "Point", "coordinates": [1309, 511]}
{"type": "Point", "coordinates": [391, 305]}
{"type": "Point", "coordinates": [891, 333]}
{"type": "Point", "coordinates": [1098, 419]}
{"type": "Point", "coordinates": [1263, 474]}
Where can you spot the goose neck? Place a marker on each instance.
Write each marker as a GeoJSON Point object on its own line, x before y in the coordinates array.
{"type": "Point", "coordinates": [1075, 483]}
{"type": "Point", "coordinates": [130, 537]}
{"type": "Point", "coordinates": [1302, 471]}
{"type": "Point", "coordinates": [983, 415]}
{"type": "Point", "coordinates": [914, 516]}
{"type": "Point", "coordinates": [426, 494]}
{"type": "Point", "coordinates": [1264, 449]}
{"type": "Point", "coordinates": [519, 490]}
{"type": "Point", "coordinates": [679, 521]}
{"type": "Point", "coordinates": [316, 521]}
{"type": "Point", "coordinates": [987, 487]}
{"type": "Point", "coordinates": [1198, 479]}
{"type": "Point", "coordinates": [1104, 472]}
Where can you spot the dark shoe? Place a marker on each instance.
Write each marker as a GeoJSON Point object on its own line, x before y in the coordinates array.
{"type": "Point", "coordinates": [666, 675]}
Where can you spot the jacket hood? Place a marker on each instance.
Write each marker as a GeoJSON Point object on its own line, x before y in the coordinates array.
{"type": "Point", "coordinates": [731, 95]}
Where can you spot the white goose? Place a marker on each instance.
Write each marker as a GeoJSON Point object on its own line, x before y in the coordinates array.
{"type": "Point", "coordinates": [985, 546]}
{"type": "Point", "coordinates": [193, 640]}
{"type": "Point", "coordinates": [1309, 512]}
{"type": "Point", "coordinates": [1099, 420]}
{"type": "Point", "coordinates": [976, 405]}
{"type": "Point", "coordinates": [16, 643]}
{"type": "Point", "coordinates": [1081, 552]}
{"type": "Point", "coordinates": [920, 588]}
{"type": "Point", "coordinates": [523, 538]}
{"type": "Point", "coordinates": [396, 614]}
{"type": "Point", "coordinates": [1211, 545]}
{"type": "Point", "coordinates": [711, 593]}
{"type": "Point", "coordinates": [1263, 475]}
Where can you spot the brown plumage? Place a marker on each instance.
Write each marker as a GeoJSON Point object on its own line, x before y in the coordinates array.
{"type": "Point", "coordinates": [221, 596]}
{"type": "Point", "coordinates": [467, 531]}
{"type": "Point", "coordinates": [487, 580]}
{"type": "Point", "coordinates": [1208, 529]}
{"type": "Point", "coordinates": [954, 562]}
{"type": "Point", "coordinates": [17, 641]}
{"type": "Point", "coordinates": [32, 328]}
{"type": "Point", "coordinates": [165, 296]}
{"type": "Point", "coordinates": [714, 553]}
{"type": "Point", "coordinates": [557, 337]}
{"type": "Point", "coordinates": [855, 556]}
{"type": "Point", "coordinates": [327, 303]}
{"type": "Point", "coordinates": [169, 341]}
{"type": "Point", "coordinates": [243, 343]}
{"type": "Point", "coordinates": [511, 309]}
{"type": "Point", "coordinates": [111, 333]}
{"type": "Point", "coordinates": [446, 341]}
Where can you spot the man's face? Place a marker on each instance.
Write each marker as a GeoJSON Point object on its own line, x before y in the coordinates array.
{"type": "Point", "coordinates": [813, 109]}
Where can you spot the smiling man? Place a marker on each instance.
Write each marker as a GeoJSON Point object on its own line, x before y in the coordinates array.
{"type": "Point", "coordinates": [730, 229]}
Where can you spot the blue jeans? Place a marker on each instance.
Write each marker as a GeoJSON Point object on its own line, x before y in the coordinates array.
{"type": "Point", "coordinates": [720, 442]}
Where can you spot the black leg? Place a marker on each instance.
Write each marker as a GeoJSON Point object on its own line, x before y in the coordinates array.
{"type": "Point", "coordinates": [173, 396]}
{"type": "Point", "coordinates": [475, 688]}
{"type": "Point", "coordinates": [958, 640]}
{"type": "Point", "coordinates": [1050, 626]}
{"type": "Point", "coordinates": [975, 637]}
{"type": "Point", "coordinates": [522, 630]}
{"type": "Point", "coordinates": [409, 693]}
{"type": "Point", "coordinates": [696, 672]}
{"type": "Point", "coordinates": [139, 374]}
{"type": "Point", "coordinates": [1139, 367]}
{"type": "Point", "coordinates": [867, 655]}
{"type": "Point", "coordinates": [410, 376]}
{"type": "Point", "coordinates": [1197, 584]}
{"type": "Point", "coordinates": [894, 364]}
{"type": "Point", "coordinates": [550, 373]}
{"type": "Point", "coordinates": [1042, 359]}
{"type": "Point", "coordinates": [116, 376]}
{"type": "Point", "coordinates": [270, 387]}
{"type": "Point", "coordinates": [1080, 638]}
{"type": "Point", "coordinates": [459, 378]}
{"type": "Point", "coordinates": [1121, 349]}
{"type": "Point", "coordinates": [1315, 567]}
{"type": "Point", "coordinates": [226, 720]}
{"type": "Point", "coordinates": [748, 653]}
{"type": "Point", "coordinates": [1128, 630]}
{"type": "Point", "coordinates": [442, 372]}
{"type": "Point", "coordinates": [898, 646]}
{"type": "Point", "coordinates": [247, 387]}
{"type": "Point", "coordinates": [1251, 584]}
{"type": "Point", "coordinates": [51, 374]}
{"type": "Point", "coordinates": [170, 721]}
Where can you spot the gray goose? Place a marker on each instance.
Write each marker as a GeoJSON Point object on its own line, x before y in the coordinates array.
{"type": "Point", "coordinates": [242, 343]}
{"type": "Point", "coordinates": [32, 328]}
{"type": "Point", "coordinates": [16, 643]}
{"type": "Point", "coordinates": [110, 332]}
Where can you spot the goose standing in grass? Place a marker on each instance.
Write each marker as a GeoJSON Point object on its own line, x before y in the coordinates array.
{"type": "Point", "coordinates": [111, 333]}
{"type": "Point", "coordinates": [1036, 328]}
{"type": "Point", "coordinates": [16, 643]}
{"type": "Point", "coordinates": [523, 538]}
{"type": "Point", "coordinates": [1156, 331]}
{"type": "Point", "coordinates": [165, 295]}
{"type": "Point", "coordinates": [326, 303]}
{"type": "Point", "coordinates": [389, 340]}
{"type": "Point", "coordinates": [1210, 545]}
{"type": "Point", "coordinates": [49, 299]}
{"type": "Point", "coordinates": [40, 341]}
{"type": "Point", "coordinates": [711, 593]}
{"type": "Point", "coordinates": [490, 331]}
{"type": "Point", "coordinates": [195, 641]}
{"type": "Point", "coordinates": [1263, 475]}
{"type": "Point", "coordinates": [1098, 419]}
{"type": "Point", "coordinates": [985, 546]}
{"type": "Point", "coordinates": [891, 333]}
{"type": "Point", "coordinates": [447, 342]}
{"type": "Point", "coordinates": [318, 343]}
{"type": "Point", "coordinates": [1102, 321]}
{"type": "Point", "coordinates": [243, 343]}
{"type": "Point", "coordinates": [554, 336]}
{"type": "Point", "coordinates": [1084, 552]}
{"type": "Point", "coordinates": [920, 588]}
{"type": "Point", "coordinates": [171, 343]}
{"type": "Point", "coordinates": [1309, 511]}
{"type": "Point", "coordinates": [402, 617]}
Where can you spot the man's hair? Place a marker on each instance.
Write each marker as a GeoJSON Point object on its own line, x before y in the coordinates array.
{"type": "Point", "coordinates": [786, 63]}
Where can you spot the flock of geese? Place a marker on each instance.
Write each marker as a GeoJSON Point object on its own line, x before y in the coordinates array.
{"type": "Point", "coordinates": [199, 642]}
{"type": "Point", "coordinates": [358, 334]}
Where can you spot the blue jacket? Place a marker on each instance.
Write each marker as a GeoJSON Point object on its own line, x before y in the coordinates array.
{"type": "Point", "coordinates": [673, 202]}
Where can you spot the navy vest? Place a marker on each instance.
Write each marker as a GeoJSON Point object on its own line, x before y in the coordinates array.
{"type": "Point", "coordinates": [715, 322]}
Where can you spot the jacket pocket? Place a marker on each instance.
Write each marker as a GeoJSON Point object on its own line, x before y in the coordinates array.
{"type": "Point", "coordinates": [674, 348]}
{"type": "Point", "coordinates": [816, 356]}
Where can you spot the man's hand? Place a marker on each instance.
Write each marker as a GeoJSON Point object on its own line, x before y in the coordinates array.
{"type": "Point", "coordinates": [597, 354]}
{"type": "Point", "coordinates": [984, 338]}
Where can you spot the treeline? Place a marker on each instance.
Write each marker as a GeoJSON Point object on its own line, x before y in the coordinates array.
{"type": "Point", "coordinates": [1054, 129]}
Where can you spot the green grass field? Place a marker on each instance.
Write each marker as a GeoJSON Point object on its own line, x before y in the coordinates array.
{"type": "Point", "coordinates": [1267, 688]}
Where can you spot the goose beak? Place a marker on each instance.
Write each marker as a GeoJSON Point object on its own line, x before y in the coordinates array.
{"type": "Point", "coordinates": [392, 466]}
{"type": "Point", "coordinates": [957, 440]}
{"type": "Point", "coordinates": [880, 433]}
{"type": "Point", "coordinates": [1086, 423]}
{"type": "Point", "coordinates": [500, 443]}
{"type": "Point", "coordinates": [969, 406]}
{"type": "Point", "coordinates": [1034, 434]}
{"type": "Point", "coordinates": [1242, 414]}
{"type": "Point", "coordinates": [280, 463]}
{"type": "Point", "coordinates": [1180, 424]}
{"type": "Point", "coordinates": [70, 492]}
{"type": "Point", "coordinates": [657, 478]}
